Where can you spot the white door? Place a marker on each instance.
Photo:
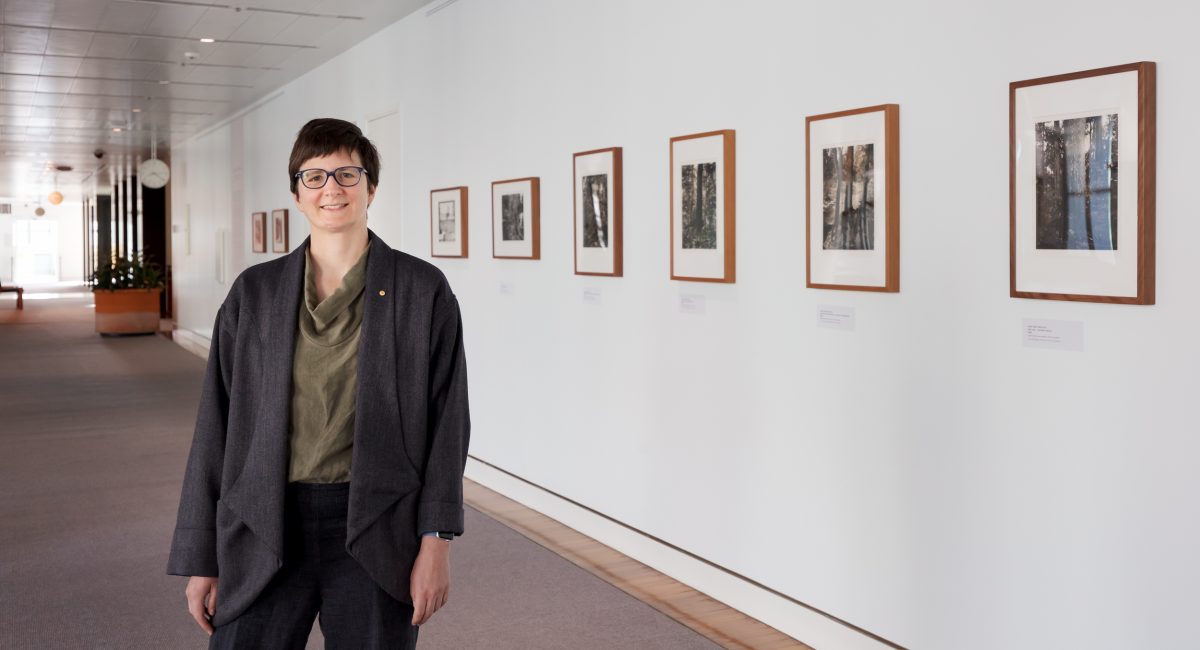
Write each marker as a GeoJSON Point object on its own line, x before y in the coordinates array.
{"type": "Point", "coordinates": [384, 214]}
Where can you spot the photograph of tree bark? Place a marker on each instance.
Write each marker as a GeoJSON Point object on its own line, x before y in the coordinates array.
{"type": "Point", "coordinates": [595, 211]}
{"type": "Point", "coordinates": [512, 224]}
{"type": "Point", "coordinates": [1077, 183]}
{"type": "Point", "coordinates": [848, 201]}
{"type": "Point", "coordinates": [699, 205]}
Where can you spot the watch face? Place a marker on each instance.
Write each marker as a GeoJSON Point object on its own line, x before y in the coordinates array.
{"type": "Point", "coordinates": [154, 173]}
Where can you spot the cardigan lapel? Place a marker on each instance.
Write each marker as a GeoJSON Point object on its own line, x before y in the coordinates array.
{"type": "Point", "coordinates": [380, 470]}
{"type": "Point", "coordinates": [258, 496]}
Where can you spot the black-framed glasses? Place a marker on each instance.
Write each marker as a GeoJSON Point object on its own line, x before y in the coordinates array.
{"type": "Point", "coordinates": [315, 179]}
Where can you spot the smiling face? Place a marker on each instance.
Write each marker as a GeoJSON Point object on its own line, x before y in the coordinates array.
{"type": "Point", "coordinates": [333, 208]}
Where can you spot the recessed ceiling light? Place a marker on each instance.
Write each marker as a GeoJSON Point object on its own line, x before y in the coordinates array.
{"type": "Point", "coordinates": [163, 82]}
{"type": "Point", "coordinates": [116, 129]}
{"type": "Point", "coordinates": [208, 40]}
{"type": "Point", "coordinates": [137, 110]}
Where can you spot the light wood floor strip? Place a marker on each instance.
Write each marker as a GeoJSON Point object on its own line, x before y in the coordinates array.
{"type": "Point", "coordinates": [714, 620]}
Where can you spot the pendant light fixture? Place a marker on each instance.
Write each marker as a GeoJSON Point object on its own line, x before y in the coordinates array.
{"type": "Point", "coordinates": [56, 197]}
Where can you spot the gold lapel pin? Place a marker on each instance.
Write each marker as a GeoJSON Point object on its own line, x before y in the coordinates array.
{"type": "Point", "coordinates": [382, 292]}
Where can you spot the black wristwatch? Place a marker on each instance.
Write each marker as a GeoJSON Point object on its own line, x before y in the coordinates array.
{"type": "Point", "coordinates": [446, 536]}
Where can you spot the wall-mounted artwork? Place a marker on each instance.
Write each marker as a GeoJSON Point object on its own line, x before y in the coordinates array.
{"type": "Point", "coordinates": [852, 213]}
{"type": "Point", "coordinates": [258, 232]}
{"type": "Point", "coordinates": [703, 232]}
{"type": "Point", "coordinates": [448, 222]}
{"type": "Point", "coordinates": [279, 231]}
{"type": "Point", "coordinates": [1075, 233]}
{"type": "Point", "coordinates": [598, 212]}
{"type": "Point", "coordinates": [516, 219]}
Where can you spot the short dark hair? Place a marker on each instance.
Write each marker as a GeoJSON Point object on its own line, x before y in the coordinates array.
{"type": "Point", "coordinates": [326, 135]}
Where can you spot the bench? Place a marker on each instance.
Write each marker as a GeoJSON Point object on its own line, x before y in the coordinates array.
{"type": "Point", "coordinates": [20, 294]}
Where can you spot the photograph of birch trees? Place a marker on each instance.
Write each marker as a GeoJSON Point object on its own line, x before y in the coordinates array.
{"type": "Point", "coordinates": [848, 199]}
{"type": "Point", "coordinates": [699, 200]}
{"type": "Point", "coordinates": [595, 211]}
{"type": "Point", "coordinates": [512, 224]}
{"type": "Point", "coordinates": [1077, 183]}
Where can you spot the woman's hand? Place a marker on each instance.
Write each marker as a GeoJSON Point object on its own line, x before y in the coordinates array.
{"type": "Point", "coordinates": [201, 595]}
{"type": "Point", "coordinates": [430, 580]}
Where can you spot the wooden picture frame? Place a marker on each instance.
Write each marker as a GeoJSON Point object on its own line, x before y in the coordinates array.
{"type": "Point", "coordinates": [597, 224]}
{"type": "Point", "coordinates": [448, 222]}
{"type": "Point", "coordinates": [853, 242]}
{"type": "Point", "coordinates": [516, 219]}
{"type": "Point", "coordinates": [258, 232]}
{"type": "Point", "coordinates": [279, 231]}
{"type": "Point", "coordinates": [1075, 233]}
{"type": "Point", "coordinates": [703, 207]}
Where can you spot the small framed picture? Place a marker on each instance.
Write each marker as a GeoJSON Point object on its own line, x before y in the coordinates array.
{"type": "Point", "coordinates": [279, 231]}
{"type": "Point", "coordinates": [516, 219]}
{"type": "Point", "coordinates": [703, 233]}
{"type": "Point", "coordinates": [1072, 234]}
{"type": "Point", "coordinates": [598, 212]}
{"type": "Point", "coordinates": [852, 205]}
{"type": "Point", "coordinates": [258, 232]}
{"type": "Point", "coordinates": [448, 222]}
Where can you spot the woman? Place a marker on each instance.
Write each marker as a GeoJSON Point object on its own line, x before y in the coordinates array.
{"type": "Point", "coordinates": [325, 473]}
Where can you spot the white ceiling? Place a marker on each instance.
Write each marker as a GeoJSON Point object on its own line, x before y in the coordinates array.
{"type": "Point", "coordinates": [73, 72]}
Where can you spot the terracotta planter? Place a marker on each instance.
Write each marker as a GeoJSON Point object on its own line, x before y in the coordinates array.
{"type": "Point", "coordinates": [127, 311]}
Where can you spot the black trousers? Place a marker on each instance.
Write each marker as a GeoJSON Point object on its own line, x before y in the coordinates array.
{"type": "Point", "coordinates": [318, 576]}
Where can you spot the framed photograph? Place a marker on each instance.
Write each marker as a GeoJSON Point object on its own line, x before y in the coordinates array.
{"type": "Point", "coordinates": [516, 220]}
{"type": "Point", "coordinates": [448, 222]}
{"type": "Point", "coordinates": [703, 238]}
{"type": "Point", "coordinates": [1072, 234]}
{"type": "Point", "coordinates": [598, 212]}
{"type": "Point", "coordinates": [279, 231]}
{"type": "Point", "coordinates": [852, 199]}
{"type": "Point", "coordinates": [258, 232]}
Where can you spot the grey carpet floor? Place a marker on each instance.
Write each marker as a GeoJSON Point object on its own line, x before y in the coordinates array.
{"type": "Point", "coordinates": [94, 434]}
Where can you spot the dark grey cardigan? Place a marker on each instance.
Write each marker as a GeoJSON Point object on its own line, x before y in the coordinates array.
{"type": "Point", "coordinates": [411, 428]}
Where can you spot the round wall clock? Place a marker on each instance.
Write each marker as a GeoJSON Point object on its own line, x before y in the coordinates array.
{"type": "Point", "coordinates": [154, 173]}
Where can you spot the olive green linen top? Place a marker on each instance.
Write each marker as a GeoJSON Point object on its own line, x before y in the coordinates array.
{"type": "Point", "coordinates": [324, 377]}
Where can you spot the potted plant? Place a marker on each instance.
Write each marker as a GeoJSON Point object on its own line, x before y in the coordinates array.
{"type": "Point", "coordinates": [127, 292]}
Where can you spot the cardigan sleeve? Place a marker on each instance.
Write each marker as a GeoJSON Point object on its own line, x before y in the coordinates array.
{"type": "Point", "coordinates": [449, 419]}
{"type": "Point", "coordinates": [194, 546]}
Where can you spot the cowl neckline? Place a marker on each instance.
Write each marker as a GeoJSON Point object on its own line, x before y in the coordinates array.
{"type": "Point", "coordinates": [331, 321]}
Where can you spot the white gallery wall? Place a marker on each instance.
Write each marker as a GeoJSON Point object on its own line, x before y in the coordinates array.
{"type": "Point", "coordinates": [924, 476]}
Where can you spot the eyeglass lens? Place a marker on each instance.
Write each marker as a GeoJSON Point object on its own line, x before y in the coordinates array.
{"type": "Point", "coordinates": [315, 179]}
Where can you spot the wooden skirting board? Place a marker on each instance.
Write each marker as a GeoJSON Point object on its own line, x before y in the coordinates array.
{"type": "Point", "coordinates": [714, 620]}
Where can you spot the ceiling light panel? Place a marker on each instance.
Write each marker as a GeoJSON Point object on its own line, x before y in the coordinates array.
{"type": "Point", "coordinates": [29, 12]}
{"type": "Point", "coordinates": [77, 14]}
{"type": "Point", "coordinates": [218, 24]}
{"type": "Point", "coordinates": [262, 27]}
{"type": "Point", "coordinates": [68, 43]}
{"type": "Point", "coordinates": [162, 49]}
{"type": "Point", "coordinates": [61, 67]}
{"type": "Point", "coordinates": [68, 112]}
{"type": "Point", "coordinates": [18, 84]}
{"type": "Point", "coordinates": [39, 100]}
{"type": "Point", "coordinates": [21, 63]}
{"type": "Point", "coordinates": [310, 30]}
{"type": "Point", "coordinates": [175, 20]}
{"type": "Point", "coordinates": [54, 85]}
{"type": "Point", "coordinates": [23, 39]}
{"type": "Point", "coordinates": [95, 87]}
{"type": "Point", "coordinates": [126, 17]}
{"type": "Point", "coordinates": [269, 57]}
{"type": "Point", "coordinates": [230, 53]}
{"type": "Point", "coordinates": [94, 68]}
